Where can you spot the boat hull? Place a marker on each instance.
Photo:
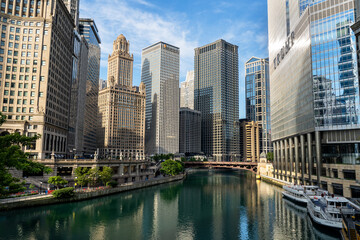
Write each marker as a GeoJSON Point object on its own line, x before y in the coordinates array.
{"type": "Point", "coordinates": [299, 201]}
{"type": "Point", "coordinates": [323, 222]}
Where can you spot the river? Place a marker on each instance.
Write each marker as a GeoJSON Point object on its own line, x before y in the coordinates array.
{"type": "Point", "coordinates": [207, 205]}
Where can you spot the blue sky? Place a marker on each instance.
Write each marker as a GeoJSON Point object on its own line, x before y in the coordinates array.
{"type": "Point", "coordinates": [185, 24]}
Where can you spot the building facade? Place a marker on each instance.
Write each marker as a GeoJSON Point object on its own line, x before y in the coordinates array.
{"type": "Point", "coordinates": [257, 91]}
{"type": "Point", "coordinates": [160, 74]}
{"type": "Point", "coordinates": [89, 31]}
{"type": "Point", "coordinates": [250, 140]}
{"type": "Point", "coordinates": [187, 91]}
{"type": "Point", "coordinates": [121, 131]}
{"type": "Point", "coordinates": [36, 73]}
{"type": "Point", "coordinates": [190, 131]}
{"type": "Point", "coordinates": [216, 96]}
{"type": "Point", "coordinates": [314, 90]}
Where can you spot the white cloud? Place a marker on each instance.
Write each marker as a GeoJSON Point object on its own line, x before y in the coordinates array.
{"type": "Point", "coordinates": [141, 27]}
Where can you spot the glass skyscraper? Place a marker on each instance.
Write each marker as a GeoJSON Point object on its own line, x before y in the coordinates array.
{"type": "Point", "coordinates": [89, 31]}
{"type": "Point", "coordinates": [258, 98]}
{"type": "Point", "coordinates": [216, 96]}
{"type": "Point", "coordinates": [314, 87]}
{"type": "Point", "coordinates": [160, 74]}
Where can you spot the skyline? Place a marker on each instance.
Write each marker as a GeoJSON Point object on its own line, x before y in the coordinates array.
{"type": "Point", "coordinates": [183, 25]}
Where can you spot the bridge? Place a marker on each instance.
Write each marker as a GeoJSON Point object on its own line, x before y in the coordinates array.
{"type": "Point", "coordinates": [250, 166]}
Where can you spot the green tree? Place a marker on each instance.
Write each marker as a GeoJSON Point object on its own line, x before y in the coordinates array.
{"type": "Point", "coordinates": [94, 177]}
{"type": "Point", "coordinates": [82, 176]}
{"type": "Point", "coordinates": [270, 156]}
{"type": "Point", "coordinates": [171, 167]}
{"type": "Point", "coordinates": [106, 175]}
{"type": "Point", "coordinates": [57, 181]}
{"type": "Point", "coordinates": [12, 156]}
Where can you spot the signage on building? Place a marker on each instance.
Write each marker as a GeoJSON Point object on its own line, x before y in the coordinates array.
{"type": "Point", "coordinates": [284, 50]}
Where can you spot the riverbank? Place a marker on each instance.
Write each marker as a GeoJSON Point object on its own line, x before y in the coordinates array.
{"type": "Point", "coordinates": [274, 181]}
{"type": "Point", "coordinates": [81, 196]}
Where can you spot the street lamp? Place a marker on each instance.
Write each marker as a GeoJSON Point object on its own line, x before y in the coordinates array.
{"type": "Point", "coordinates": [40, 186]}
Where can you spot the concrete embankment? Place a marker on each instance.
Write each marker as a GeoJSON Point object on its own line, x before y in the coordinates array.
{"type": "Point", "coordinates": [80, 196]}
{"type": "Point", "coordinates": [274, 181]}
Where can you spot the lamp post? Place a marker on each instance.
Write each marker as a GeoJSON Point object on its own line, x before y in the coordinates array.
{"type": "Point", "coordinates": [40, 186]}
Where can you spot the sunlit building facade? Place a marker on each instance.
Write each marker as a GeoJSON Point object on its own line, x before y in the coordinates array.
{"type": "Point", "coordinates": [187, 91]}
{"type": "Point", "coordinates": [216, 96]}
{"type": "Point", "coordinates": [121, 131]}
{"type": "Point", "coordinates": [160, 74]}
{"type": "Point", "coordinates": [36, 73]}
{"type": "Point", "coordinates": [314, 85]}
{"type": "Point", "coordinates": [257, 91]}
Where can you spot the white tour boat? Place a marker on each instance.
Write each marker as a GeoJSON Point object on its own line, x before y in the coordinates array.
{"type": "Point", "coordinates": [327, 210]}
{"type": "Point", "coordinates": [299, 193]}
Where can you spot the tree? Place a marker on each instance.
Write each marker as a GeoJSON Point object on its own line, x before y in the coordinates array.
{"type": "Point", "coordinates": [270, 156]}
{"type": "Point", "coordinates": [106, 175]}
{"type": "Point", "coordinates": [171, 167]}
{"type": "Point", "coordinates": [94, 176]}
{"type": "Point", "coordinates": [12, 156]}
{"type": "Point", "coordinates": [57, 181]}
{"type": "Point", "coordinates": [82, 176]}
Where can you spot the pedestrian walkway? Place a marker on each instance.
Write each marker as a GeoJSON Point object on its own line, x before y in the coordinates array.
{"type": "Point", "coordinates": [26, 198]}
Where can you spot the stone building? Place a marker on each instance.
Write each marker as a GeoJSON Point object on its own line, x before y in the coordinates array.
{"type": "Point", "coordinates": [187, 91]}
{"type": "Point", "coordinates": [121, 133]}
{"type": "Point", "coordinates": [36, 73]}
{"type": "Point", "coordinates": [250, 133]}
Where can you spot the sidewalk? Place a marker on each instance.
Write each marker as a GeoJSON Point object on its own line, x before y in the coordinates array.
{"type": "Point", "coordinates": [21, 199]}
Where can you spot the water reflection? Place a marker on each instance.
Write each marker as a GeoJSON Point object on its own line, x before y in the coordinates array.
{"type": "Point", "coordinates": [207, 205]}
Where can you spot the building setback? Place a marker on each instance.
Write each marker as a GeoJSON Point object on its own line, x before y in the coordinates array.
{"type": "Point", "coordinates": [216, 96]}
{"type": "Point", "coordinates": [190, 131]}
{"type": "Point", "coordinates": [89, 31]}
{"type": "Point", "coordinates": [160, 74]}
{"type": "Point", "coordinates": [314, 91]}
{"type": "Point", "coordinates": [257, 87]}
{"type": "Point", "coordinates": [36, 80]}
{"type": "Point", "coordinates": [121, 130]}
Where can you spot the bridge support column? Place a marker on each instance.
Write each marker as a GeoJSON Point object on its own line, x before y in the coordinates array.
{"type": "Point", "coordinates": [302, 142]}
{"type": "Point", "coordinates": [310, 162]}
{"type": "Point", "coordinates": [318, 156]}
{"type": "Point", "coordinates": [296, 142]}
{"type": "Point", "coordinates": [275, 162]}
{"type": "Point", "coordinates": [279, 158]}
{"type": "Point", "coordinates": [286, 149]}
{"type": "Point", "coordinates": [291, 152]}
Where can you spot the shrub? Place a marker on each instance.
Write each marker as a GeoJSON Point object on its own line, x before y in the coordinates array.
{"type": "Point", "coordinates": [112, 183]}
{"type": "Point", "coordinates": [64, 193]}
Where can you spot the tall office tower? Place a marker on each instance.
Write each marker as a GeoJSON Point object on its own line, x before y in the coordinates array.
{"type": "Point", "coordinates": [77, 101]}
{"type": "Point", "coordinates": [250, 140]}
{"type": "Point", "coordinates": [314, 91]}
{"type": "Point", "coordinates": [36, 68]}
{"type": "Point", "coordinates": [187, 91]}
{"type": "Point", "coordinates": [160, 74]}
{"type": "Point", "coordinates": [190, 131]}
{"type": "Point", "coordinates": [258, 98]}
{"type": "Point", "coordinates": [216, 96]}
{"type": "Point", "coordinates": [121, 130]}
{"type": "Point", "coordinates": [73, 6]}
{"type": "Point", "coordinates": [89, 32]}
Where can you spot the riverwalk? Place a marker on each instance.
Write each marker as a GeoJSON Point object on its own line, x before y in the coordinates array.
{"type": "Point", "coordinates": [40, 200]}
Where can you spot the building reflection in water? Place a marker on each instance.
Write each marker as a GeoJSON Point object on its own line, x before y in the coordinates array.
{"type": "Point", "coordinates": [207, 205]}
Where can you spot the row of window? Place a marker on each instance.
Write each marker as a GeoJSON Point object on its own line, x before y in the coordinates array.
{"type": "Point", "coordinates": [20, 93]}
{"type": "Point", "coordinates": [19, 101]}
{"type": "Point", "coordinates": [18, 109]}
{"type": "Point", "coordinates": [10, 117]}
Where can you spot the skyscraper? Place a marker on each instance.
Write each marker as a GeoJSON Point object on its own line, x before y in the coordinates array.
{"type": "Point", "coordinates": [36, 73]}
{"type": "Point", "coordinates": [187, 91]}
{"type": "Point", "coordinates": [257, 87]}
{"type": "Point", "coordinates": [216, 96]}
{"type": "Point", "coordinates": [160, 74]}
{"type": "Point", "coordinates": [314, 89]}
{"type": "Point", "coordinates": [121, 132]}
{"type": "Point", "coordinates": [190, 131]}
{"type": "Point", "coordinates": [89, 32]}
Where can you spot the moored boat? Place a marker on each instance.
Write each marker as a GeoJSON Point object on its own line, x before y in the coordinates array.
{"type": "Point", "coordinates": [328, 210]}
{"type": "Point", "coordinates": [298, 193]}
